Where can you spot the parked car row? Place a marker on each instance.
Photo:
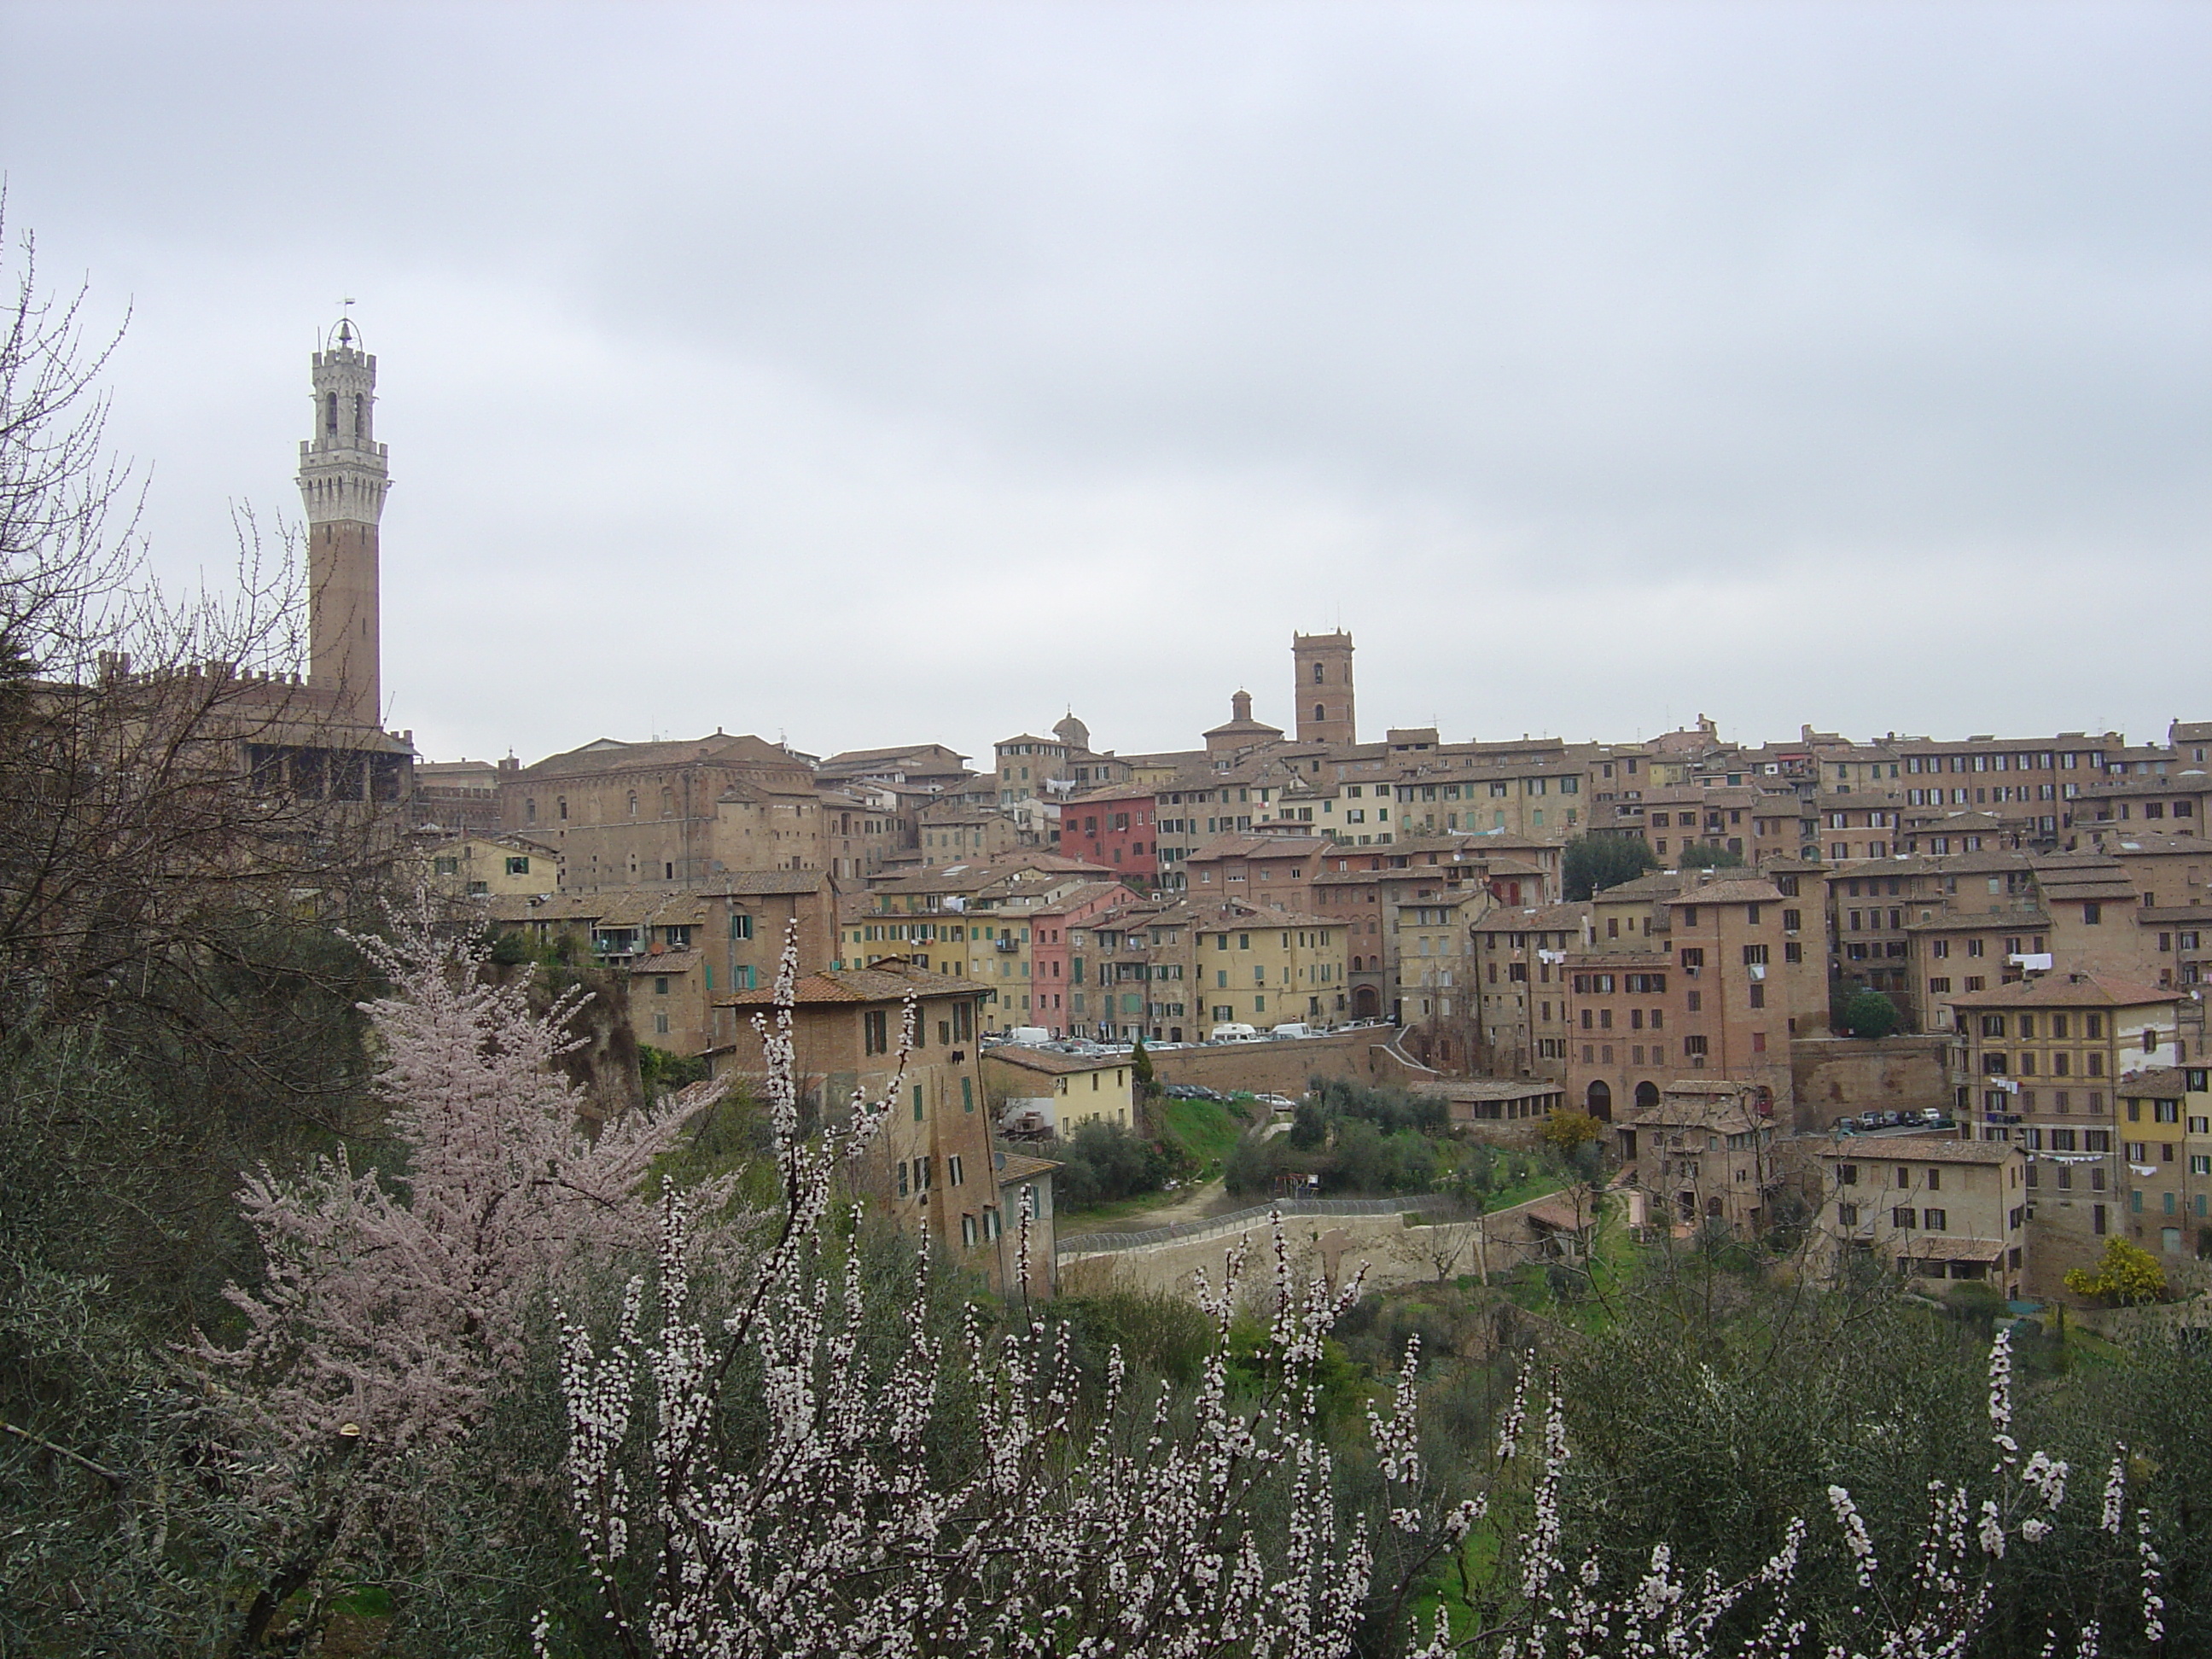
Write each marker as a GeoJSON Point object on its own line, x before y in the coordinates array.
{"type": "Point", "coordinates": [1930, 1117]}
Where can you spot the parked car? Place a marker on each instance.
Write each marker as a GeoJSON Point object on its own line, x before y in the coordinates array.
{"type": "Point", "coordinates": [1233, 1032]}
{"type": "Point", "coordinates": [1296, 1028]}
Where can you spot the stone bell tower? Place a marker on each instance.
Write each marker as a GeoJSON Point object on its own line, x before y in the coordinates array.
{"type": "Point", "coordinates": [1323, 666]}
{"type": "Point", "coordinates": [342, 479]}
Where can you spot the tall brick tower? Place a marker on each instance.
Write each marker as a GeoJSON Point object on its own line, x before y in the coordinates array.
{"type": "Point", "coordinates": [1323, 692]}
{"type": "Point", "coordinates": [342, 480]}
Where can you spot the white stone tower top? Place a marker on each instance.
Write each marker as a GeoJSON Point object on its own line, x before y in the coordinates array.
{"type": "Point", "coordinates": [343, 470]}
{"type": "Point", "coordinates": [343, 481]}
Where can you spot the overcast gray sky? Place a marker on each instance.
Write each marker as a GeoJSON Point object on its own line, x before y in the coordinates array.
{"type": "Point", "coordinates": [885, 374]}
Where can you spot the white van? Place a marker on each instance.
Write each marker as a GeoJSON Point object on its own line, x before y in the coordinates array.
{"type": "Point", "coordinates": [1030, 1036]}
{"type": "Point", "coordinates": [1296, 1028]}
{"type": "Point", "coordinates": [1231, 1031]}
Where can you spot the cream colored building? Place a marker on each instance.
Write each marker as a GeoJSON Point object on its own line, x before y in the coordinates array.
{"type": "Point", "coordinates": [1928, 1208]}
{"type": "Point", "coordinates": [492, 866]}
{"type": "Point", "coordinates": [1069, 1091]}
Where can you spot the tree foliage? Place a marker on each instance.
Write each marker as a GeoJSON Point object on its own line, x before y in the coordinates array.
{"type": "Point", "coordinates": [1703, 855]}
{"type": "Point", "coordinates": [1868, 1013]}
{"type": "Point", "coordinates": [2125, 1274]}
{"type": "Point", "coordinates": [1593, 862]}
{"type": "Point", "coordinates": [1102, 1163]}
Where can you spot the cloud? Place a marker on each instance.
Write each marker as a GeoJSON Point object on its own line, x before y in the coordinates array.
{"type": "Point", "coordinates": [882, 373]}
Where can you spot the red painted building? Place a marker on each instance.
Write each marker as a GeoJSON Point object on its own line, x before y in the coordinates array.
{"type": "Point", "coordinates": [1114, 827]}
{"type": "Point", "coordinates": [1050, 976]}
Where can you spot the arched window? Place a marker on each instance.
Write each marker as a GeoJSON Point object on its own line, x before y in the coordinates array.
{"type": "Point", "coordinates": [1647, 1095]}
{"type": "Point", "coordinates": [530, 811]}
{"type": "Point", "coordinates": [633, 803]}
{"type": "Point", "coordinates": [360, 413]}
{"type": "Point", "coordinates": [561, 806]}
{"type": "Point", "coordinates": [1320, 714]}
{"type": "Point", "coordinates": [1319, 674]}
{"type": "Point", "coordinates": [1599, 1100]}
{"type": "Point", "coordinates": [331, 415]}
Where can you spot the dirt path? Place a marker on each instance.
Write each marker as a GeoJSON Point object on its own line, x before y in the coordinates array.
{"type": "Point", "coordinates": [1211, 1199]}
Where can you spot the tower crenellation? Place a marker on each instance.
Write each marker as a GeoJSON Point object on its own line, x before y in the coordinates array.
{"type": "Point", "coordinates": [344, 478]}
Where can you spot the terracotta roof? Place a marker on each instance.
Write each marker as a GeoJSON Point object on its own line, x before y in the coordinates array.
{"type": "Point", "coordinates": [1921, 1149]}
{"type": "Point", "coordinates": [742, 884]}
{"type": "Point", "coordinates": [1556, 1213]}
{"type": "Point", "coordinates": [1010, 1167]}
{"type": "Point", "coordinates": [1936, 1247]}
{"type": "Point", "coordinates": [1247, 844]}
{"type": "Point", "coordinates": [1720, 1105]}
{"type": "Point", "coordinates": [1753, 891]}
{"type": "Point", "coordinates": [1051, 1061]}
{"type": "Point", "coordinates": [1112, 791]}
{"type": "Point", "coordinates": [610, 754]}
{"type": "Point", "coordinates": [1660, 885]}
{"type": "Point", "coordinates": [668, 961]}
{"type": "Point", "coordinates": [857, 985]}
{"type": "Point", "coordinates": [1957, 921]}
{"type": "Point", "coordinates": [1232, 915]}
{"type": "Point", "coordinates": [853, 757]}
{"type": "Point", "coordinates": [2165, 1081]}
{"type": "Point", "coordinates": [1486, 1088]}
{"type": "Point", "coordinates": [1076, 897]}
{"type": "Point", "coordinates": [631, 907]}
{"type": "Point", "coordinates": [1545, 919]}
{"type": "Point", "coordinates": [2067, 991]}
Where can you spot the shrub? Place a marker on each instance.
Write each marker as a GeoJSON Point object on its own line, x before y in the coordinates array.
{"type": "Point", "coordinates": [1596, 862]}
{"type": "Point", "coordinates": [2125, 1274]}
{"type": "Point", "coordinates": [1867, 1013]}
{"type": "Point", "coordinates": [1103, 1164]}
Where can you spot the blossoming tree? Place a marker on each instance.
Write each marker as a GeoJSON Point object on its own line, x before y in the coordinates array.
{"type": "Point", "coordinates": [949, 1496]}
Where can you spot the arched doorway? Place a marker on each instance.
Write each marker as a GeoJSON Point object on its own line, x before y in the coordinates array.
{"type": "Point", "coordinates": [1366, 1002]}
{"type": "Point", "coordinates": [1598, 1098]}
{"type": "Point", "coordinates": [1647, 1095]}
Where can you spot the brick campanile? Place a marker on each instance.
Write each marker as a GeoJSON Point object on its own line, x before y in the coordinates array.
{"type": "Point", "coordinates": [342, 480]}
{"type": "Point", "coordinates": [1322, 663]}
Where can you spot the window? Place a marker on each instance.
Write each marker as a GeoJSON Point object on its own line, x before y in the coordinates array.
{"type": "Point", "coordinates": [1933, 1220]}
{"type": "Point", "coordinates": [875, 1034]}
{"type": "Point", "coordinates": [446, 866]}
{"type": "Point", "coordinates": [660, 1025]}
{"type": "Point", "coordinates": [1847, 1175]}
{"type": "Point", "coordinates": [518, 866]}
{"type": "Point", "coordinates": [953, 1170]}
{"type": "Point", "coordinates": [1902, 1216]}
{"type": "Point", "coordinates": [1847, 1215]}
